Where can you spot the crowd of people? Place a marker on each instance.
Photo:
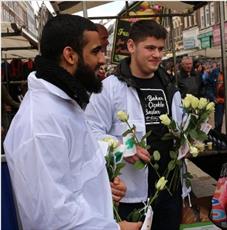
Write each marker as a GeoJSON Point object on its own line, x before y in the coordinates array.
{"type": "Point", "coordinates": [56, 167]}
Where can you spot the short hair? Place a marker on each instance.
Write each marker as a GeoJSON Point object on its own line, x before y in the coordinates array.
{"type": "Point", "coordinates": [186, 58]}
{"type": "Point", "coordinates": [142, 29]}
{"type": "Point", "coordinates": [64, 30]}
{"type": "Point", "coordinates": [101, 27]}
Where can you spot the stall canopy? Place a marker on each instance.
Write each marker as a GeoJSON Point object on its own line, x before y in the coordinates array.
{"type": "Point", "coordinates": [16, 42]}
{"type": "Point", "coordinates": [71, 7]}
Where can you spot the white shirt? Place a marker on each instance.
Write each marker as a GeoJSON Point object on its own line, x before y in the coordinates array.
{"type": "Point", "coordinates": [101, 113]}
{"type": "Point", "coordinates": [57, 170]}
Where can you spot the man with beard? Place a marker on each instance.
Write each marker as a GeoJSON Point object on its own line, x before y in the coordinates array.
{"type": "Point", "coordinates": [143, 89]}
{"type": "Point", "coordinates": [57, 170]}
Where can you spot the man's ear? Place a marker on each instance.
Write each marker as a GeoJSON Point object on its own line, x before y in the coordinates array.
{"type": "Point", "coordinates": [131, 46]}
{"type": "Point", "coordinates": [70, 56]}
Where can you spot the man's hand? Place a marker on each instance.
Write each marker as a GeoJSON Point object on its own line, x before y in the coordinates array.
{"type": "Point", "coordinates": [141, 154]}
{"type": "Point", "coordinates": [118, 188]}
{"type": "Point", "coordinates": [124, 225]}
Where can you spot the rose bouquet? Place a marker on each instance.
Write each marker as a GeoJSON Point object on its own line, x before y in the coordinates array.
{"type": "Point", "coordinates": [188, 137]}
{"type": "Point", "coordinates": [114, 164]}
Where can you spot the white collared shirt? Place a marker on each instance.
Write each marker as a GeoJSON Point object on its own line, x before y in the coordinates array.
{"type": "Point", "coordinates": [57, 170]}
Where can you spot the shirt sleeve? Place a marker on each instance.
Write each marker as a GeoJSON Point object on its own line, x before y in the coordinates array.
{"type": "Point", "coordinates": [38, 169]}
{"type": "Point", "coordinates": [99, 112]}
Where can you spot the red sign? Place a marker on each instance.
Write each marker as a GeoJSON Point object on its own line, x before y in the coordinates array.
{"type": "Point", "coordinates": [217, 35]}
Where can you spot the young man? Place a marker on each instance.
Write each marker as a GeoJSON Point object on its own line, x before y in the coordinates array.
{"type": "Point", "coordinates": [56, 167]}
{"type": "Point", "coordinates": [142, 89]}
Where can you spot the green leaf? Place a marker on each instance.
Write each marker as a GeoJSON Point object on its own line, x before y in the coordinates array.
{"type": "Point", "coordinates": [173, 155]}
{"type": "Point", "coordinates": [198, 135]}
{"type": "Point", "coordinates": [167, 136]}
{"type": "Point", "coordinates": [156, 155]}
{"type": "Point", "coordinates": [134, 216]}
{"type": "Point", "coordinates": [146, 135]}
{"type": "Point", "coordinates": [173, 125]}
{"type": "Point", "coordinates": [188, 183]}
{"type": "Point", "coordinates": [118, 169]}
{"type": "Point", "coordinates": [139, 164]}
{"type": "Point", "coordinates": [147, 147]}
{"type": "Point", "coordinates": [171, 165]}
{"type": "Point", "coordinates": [156, 166]}
{"type": "Point", "coordinates": [179, 163]}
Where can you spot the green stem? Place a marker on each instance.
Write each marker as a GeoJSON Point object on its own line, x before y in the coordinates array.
{"type": "Point", "coordinates": [136, 139]}
{"type": "Point", "coordinates": [118, 218]}
{"type": "Point", "coordinates": [153, 198]}
{"type": "Point", "coordinates": [160, 177]}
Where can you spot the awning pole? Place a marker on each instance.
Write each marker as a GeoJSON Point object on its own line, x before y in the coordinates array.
{"type": "Point", "coordinates": [84, 4]}
{"type": "Point", "coordinates": [173, 44]}
{"type": "Point", "coordinates": [224, 65]}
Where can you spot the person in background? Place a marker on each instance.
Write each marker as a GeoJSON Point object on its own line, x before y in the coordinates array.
{"type": "Point", "coordinates": [211, 82]}
{"type": "Point", "coordinates": [219, 102]}
{"type": "Point", "coordinates": [8, 104]}
{"type": "Point", "coordinates": [103, 34]}
{"type": "Point", "coordinates": [143, 89]}
{"type": "Point", "coordinates": [118, 186]}
{"type": "Point", "coordinates": [188, 80]}
{"type": "Point", "coordinates": [56, 167]}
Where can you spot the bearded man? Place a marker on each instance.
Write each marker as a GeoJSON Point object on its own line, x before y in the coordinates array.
{"type": "Point", "coordinates": [57, 170]}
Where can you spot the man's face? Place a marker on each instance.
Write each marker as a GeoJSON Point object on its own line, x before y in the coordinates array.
{"type": "Point", "coordinates": [103, 34]}
{"type": "Point", "coordinates": [146, 55]}
{"type": "Point", "coordinates": [92, 59]}
{"type": "Point", "coordinates": [187, 65]}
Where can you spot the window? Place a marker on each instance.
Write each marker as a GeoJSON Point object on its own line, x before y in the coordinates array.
{"type": "Point", "coordinates": [185, 22]}
{"type": "Point", "coordinates": [207, 14]}
{"type": "Point", "coordinates": [212, 18]}
{"type": "Point", "coordinates": [202, 17]}
{"type": "Point", "coordinates": [190, 21]}
{"type": "Point", "coordinates": [195, 19]}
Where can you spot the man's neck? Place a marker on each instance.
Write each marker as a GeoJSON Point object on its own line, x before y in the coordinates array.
{"type": "Point", "coordinates": [138, 73]}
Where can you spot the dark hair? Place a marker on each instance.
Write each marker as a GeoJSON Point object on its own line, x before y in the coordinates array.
{"type": "Point", "coordinates": [142, 29]}
{"type": "Point", "coordinates": [64, 30]}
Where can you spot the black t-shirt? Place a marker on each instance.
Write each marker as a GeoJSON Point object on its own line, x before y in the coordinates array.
{"type": "Point", "coordinates": [154, 103]}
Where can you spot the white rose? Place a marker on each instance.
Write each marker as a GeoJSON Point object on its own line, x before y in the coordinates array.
{"type": "Point", "coordinates": [187, 101]}
{"type": "Point", "coordinates": [122, 116]}
{"type": "Point", "coordinates": [210, 106]}
{"type": "Point", "coordinates": [194, 151]}
{"type": "Point", "coordinates": [161, 183]}
{"type": "Point", "coordinates": [165, 119]}
{"type": "Point", "coordinates": [194, 102]}
{"type": "Point", "coordinates": [202, 103]}
{"type": "Point", "coordinates": [111, 142]}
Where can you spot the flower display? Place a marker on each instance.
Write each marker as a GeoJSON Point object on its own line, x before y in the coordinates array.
{"type": "Point", "coordinates": [188, 136]}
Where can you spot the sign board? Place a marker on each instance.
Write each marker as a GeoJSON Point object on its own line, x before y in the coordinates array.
{"type": "Point", "coordinates": [217, 35]}
{"type": "Point", "coordinates": [123, 26]}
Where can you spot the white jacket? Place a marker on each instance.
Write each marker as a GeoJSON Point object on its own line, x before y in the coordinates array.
{"type": "Point", "coordinates": [101, 115]}
{"type": "Point", "coordinates": [57, 171]}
